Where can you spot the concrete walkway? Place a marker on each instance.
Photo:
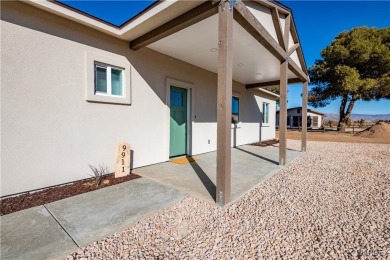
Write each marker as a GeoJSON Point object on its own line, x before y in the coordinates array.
{"type": "Point", "coordinates": [58, 228]}
{"type": "Point", "coordinates": [250, 166]}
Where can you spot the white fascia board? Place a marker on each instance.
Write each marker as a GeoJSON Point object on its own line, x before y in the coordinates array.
{"type": "Point", "coordinates": [267, 92]}
{"type": "Point", "coordinates": [112, 30]}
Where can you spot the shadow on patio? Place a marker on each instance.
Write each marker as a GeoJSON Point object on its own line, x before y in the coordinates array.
{"type": "Point", "coordinates": [250, 166]}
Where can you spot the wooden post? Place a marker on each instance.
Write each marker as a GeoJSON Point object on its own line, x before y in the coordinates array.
{"type": "Point", "coordinates": [283, 113]}
{"type": "Point", "coordinates": [304, 117]}
{"type": "Point", "coordinates": [224, 104]}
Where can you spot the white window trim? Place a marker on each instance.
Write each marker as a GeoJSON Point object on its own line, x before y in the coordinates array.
{"type": "Point", "coordinates": [109, 83]}
{"type": "Point", "coordinates": [264, 123]}
{"type": "Point", "coordinates": [112, 61]}
{"type": "Point", "coordinates": [237, 95]}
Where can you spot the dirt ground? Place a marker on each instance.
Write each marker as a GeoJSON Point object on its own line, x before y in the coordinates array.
{"type": "Point", "coordinates": [28, 200]}
{"type": "Point", "coordinates": [335, 137]}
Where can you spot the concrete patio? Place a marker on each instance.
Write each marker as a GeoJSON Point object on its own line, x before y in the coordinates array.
{"type": "Point", "coordinates": [61, 227]}
{"type": "Point", "coordinates": [250, 166]}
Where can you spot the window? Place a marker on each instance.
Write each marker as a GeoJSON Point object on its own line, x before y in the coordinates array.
{"type": "Point", "coordinates": [265, 113]}
{"type": "Point", "coordinates": [298, 111]}
{"type": "Point", "coordinates": [108, 80]}
{"type": "Point", "coordinates": [315, 121]}
{"type": "Point", "coordinates": [235, 110]}
{"type": "Point", "coordinates": [177, 99]}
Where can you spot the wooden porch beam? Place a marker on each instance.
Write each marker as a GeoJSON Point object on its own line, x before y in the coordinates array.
{"type": "Point", "coordinates": [224, 104]}
{"type": "Point", "coordinates": [286, 34]}
{"type": "Point", "coordinates": [301, 59]}
{"type": "Point", "coordinates": [292, 49]}
{"type": "Point", "coordinates": [272, 83]}
{"type": "Point", "coordinates": [294, 34]}
{"type": "Point", "coordinates": [185, 20]}
{"type": "Point", "coordinates": [278, 27]}
{"type": "Point", "coordinates": [249, 22]}
{"type": "Point", "coordinates": [283, 113]}
{"type": "Point", "coordinates": [304, 117]}
{"type": "Point", "coordinates": [297, 70]}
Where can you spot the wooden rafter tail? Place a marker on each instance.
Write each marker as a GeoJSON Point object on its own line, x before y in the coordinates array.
{"type": "Point", "coordinates": [249, 22]}
{"type": "Point", "coordinates": [278, 27]}
{"type": "Point", "coordinates": [185, 20]}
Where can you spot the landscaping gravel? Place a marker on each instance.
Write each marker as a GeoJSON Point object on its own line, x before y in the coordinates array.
{"type": "Point", "coordinates": [331, 203]}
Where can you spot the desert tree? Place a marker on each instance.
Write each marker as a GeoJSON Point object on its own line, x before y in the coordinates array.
{"type": "Point", "coordinates": [355, 66]}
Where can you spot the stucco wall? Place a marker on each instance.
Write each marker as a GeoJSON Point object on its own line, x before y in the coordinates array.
{"type": "Point", "coordinates": [50, 133]}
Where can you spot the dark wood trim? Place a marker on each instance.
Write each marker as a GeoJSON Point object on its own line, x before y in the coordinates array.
{"type": "Point", "coordinates": [278, 27]}
{"type": "Point", "coordinates": [224, 104]}
{"type": "Point", "coordinates": [272, 83]}
{"type": "Point", "coordinates": [292, 49]}
{"type": "Point", "coordinates": [185, 20]}
{"type": "Point", "coordinates": [297, 71]}
{"type": "Point", "coordinates": [286, 34]}
{"type": "Point", "coordinates": [249, 22]}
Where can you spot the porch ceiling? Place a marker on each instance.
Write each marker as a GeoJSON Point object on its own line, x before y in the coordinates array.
{"type": "Point", "coordinates": [197, 45]}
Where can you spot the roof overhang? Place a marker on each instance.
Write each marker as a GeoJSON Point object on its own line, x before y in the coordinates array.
{"type": "Point", "coordinates": [264, 35]}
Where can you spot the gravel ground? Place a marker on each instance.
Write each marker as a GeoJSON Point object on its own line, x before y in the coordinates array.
{"type": "Point", "coordinates": [331, 203]}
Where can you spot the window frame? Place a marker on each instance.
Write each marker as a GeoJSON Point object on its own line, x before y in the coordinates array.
{"type": "Point", "coordinates": [238, 96]}
{"type": "Point", "coordinates": [315, 121]}
{"type": "Point", "coordinates": [265, 104]}
{"type": "Point", "coordinates": [108, 80]}
{"type": "Point", "coordinates": [114, 61]}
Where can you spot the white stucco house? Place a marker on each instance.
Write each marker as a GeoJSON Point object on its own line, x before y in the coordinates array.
{"type": "Point", "coordinates": [73, 86]}
{"type": "Point", "coordinates": [315, 119]}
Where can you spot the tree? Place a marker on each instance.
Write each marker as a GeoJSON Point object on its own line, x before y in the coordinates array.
{"type": "Point", "coordinates": [355, 66]}
{"type": "Point", "coordinates": [361, 122]}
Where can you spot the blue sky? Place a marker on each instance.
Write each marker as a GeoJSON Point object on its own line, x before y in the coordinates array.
{"type": "Point", "coordinates": [318, 23]}
{"type": "Point", "coordinates": [115, 12]}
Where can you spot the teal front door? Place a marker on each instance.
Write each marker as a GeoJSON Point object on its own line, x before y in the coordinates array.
{"type": "Point", "coordinates": [178, 122]}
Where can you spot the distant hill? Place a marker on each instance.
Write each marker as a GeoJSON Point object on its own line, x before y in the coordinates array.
{"type": "Point", "coordinates": [355, 117]}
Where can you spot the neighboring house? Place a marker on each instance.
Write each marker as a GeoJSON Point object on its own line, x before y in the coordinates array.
{"type": "Point", "coordinates": [294, 118]}
{"type": "Point", "coordinates": [73, 86]}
